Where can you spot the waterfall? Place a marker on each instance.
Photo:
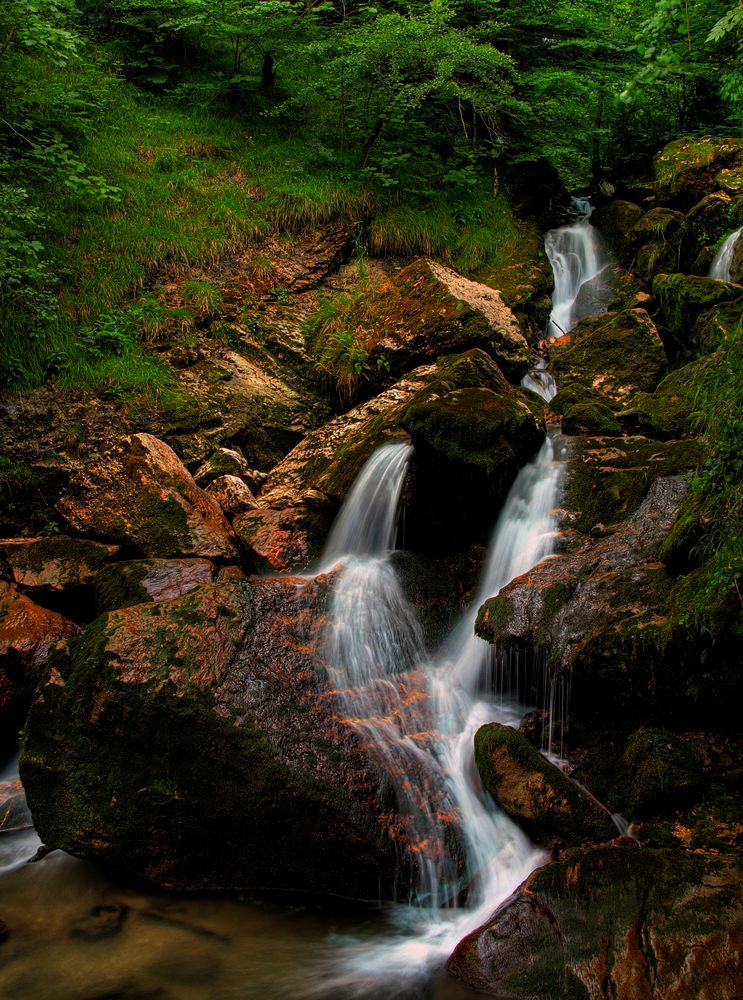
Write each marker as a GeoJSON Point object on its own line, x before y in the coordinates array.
{"type": "Point", "coordinates": [539, 380]}
{"type": "Point", "coordinates": [577, 258]}
{"type": "Point", "coordinates": [720, 267]}
{"type": "Point", "coordinates": [376, 652]}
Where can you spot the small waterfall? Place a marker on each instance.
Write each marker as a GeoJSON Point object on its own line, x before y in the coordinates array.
{"type": "Point", "coordinates": [720, 267]}
{"type": "Point", "coordinates": [539, 380]}
{"type": "Point", "coordinates": [577, 258]}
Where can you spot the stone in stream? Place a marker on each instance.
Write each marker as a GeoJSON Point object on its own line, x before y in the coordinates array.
{"type": "Point", "coordinates": [615, 921]}
{"type": "Point", "coordinates": [194, 743]}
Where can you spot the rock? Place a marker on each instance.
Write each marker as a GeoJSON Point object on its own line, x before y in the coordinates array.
{"type": "Point", "coordinates": [613, 922]}
{"type": "Point", "coordinates": [655, 771]}
{"type": "Point", "coordinates": [27, 633]}
{"type": "Point", "coordinates": [101, 922]}
{"type": "Point", "coordinates": [736, 263]}
{"type": "Point", "coordinates": [525, 279]}
{"type": "Point", "coordinates": [470, 428]}
{"type": "Point", "coordinates": [688, 169]}
{"type": "Point", "coordinates": [590, 416]}
{"type": "Point", "coordinates": [536, 793]}
{"type": "Point", "coordinates": [669, 412]}
{"type": "Point", "coordinates": [232, 494]}
{"type": "Point", "coordinates": [612, 289]}
{"type": "Point", "coordinates": [137, 581]}
{"type": "Point", "coordinates": [195, 743]}
{"type": "Point", "coordinates": [657, 237]}
{"type": "Point", "coordinates": [616, 354]}
{"type": "Point", "coordinates": [54, 564]}
{"type": "Point", "coordinates": [685, 298]}
{"type": "Point", "coordinates": [615, 221]}
{"type": "Point", "coordinates": [141, 495]}
{"type": "Point", "coordinates": [222, 462]}
{"type": "Point", "coordinates": [426, 310]}
{"type": "Point", "coordinates": [283, 540]}
{"type": "Point", "coordinates": [599, 612]}
{"type": "Point", "coordinates": [706, 223]}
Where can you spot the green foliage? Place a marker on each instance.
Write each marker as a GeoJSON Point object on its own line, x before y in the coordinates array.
{"type": "Point", "coordinates": [339, 356]}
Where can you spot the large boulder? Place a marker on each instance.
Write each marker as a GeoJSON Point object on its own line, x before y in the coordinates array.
{"type": "Point", "coordinates": [657, 237]}
{"type": "Point", "coordinates": [524, 280]}
{"type": "Point", "coordinates": [195, 743]}
{"type": "Point", "coordinates": [615, 354]}
{"type": "Point", "coordinates": [535, 792]}
{"type": "Point", "coordinates": [141, 495]}
{"type": "Point", "coordinates": [613, 922]}
{"type": "Point", "coordinates": [55, 564]}
{"type": "Point", "coordinates": [471, 430]}
{"type": "Point", "coordinates": [426, 310]}
{"type": "Point", "coordinates": [670, 411]}
{"type": "Point", "coordinates": [137, 581]}
{"type": "Point", "coordinates": [656, 771]}
{"type": "Point", "coordinates": [599, 612]}
{"type": "Point", "coordinates": [688, 169]}
{"type": "Point", "coordinates": [684, 298]}
{"type": "Point", "coordinates": [616, 221]}
{"type": "Point", "coordinates": [706, 223]}
{"type": "Point", "coordinates": [27, 633]}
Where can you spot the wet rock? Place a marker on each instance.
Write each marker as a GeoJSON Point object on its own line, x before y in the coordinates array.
{"type": "Point", "coordinates": [282, 540]}
{"type": "Point", "coordinates": [471, 429]}
{"type": "Point", "coordinates": [223, 462]}
{"type": "Point", "coordinates": [610, 290]}
{"type": "Point", "coordinates": [684, 298]}
{"type": "Point", "coordinates": [706, 223]}
{"type": "Point", "coordinates": [533, 725]}
{"type": "Point", "coordinates": [669, 412]}
{"type": "Point", "coordinates": [613, 922]}
{"type": "Point", "coordinates": [141, 495]}
{"type": "Point", "coordinates": [233, 495]}
{"type": "Point", "coordinates": [616, 354]}
{"type": "Point", "coordinates": [656, 771]}
{"type": "Point", "coordinates": [426, 310]}
{"type": "Point", "coordinates": [616, 221]}
{"type": "Point", "coordinates": [102, 922]}
{"type": "Point", "coordinates": [194, 743]}
{"type": "Point", "coordinates": [600, 612]}
{"type": "Point", "coordinates": [688, 169]}
{"type": "Point", "coordinates": [54, 564]}
{"type": "Point", "coordinates": [657, 237]}
{"type": "Point", "coordinates": [525, 280]}
{"type": "Point", "coordinates": [137, 581]}
{"type": "Point", "coordinates": [27, 633]}
{"type": "Point", "coordinates": [536, 793]}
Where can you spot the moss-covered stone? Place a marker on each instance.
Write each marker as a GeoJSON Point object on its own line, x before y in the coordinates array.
{"type": "Point", "coordinates": [525, 280]}
{"type": "Point", "coordinates": [58, 563]}
{"type": "Point", "coordinates": [616, 354]}
{"type": "Point", "coordinates": [222, 462]}
{"type": "Point", "coordinates": [138, 581]}
{"type": "Point", "coordinates": [705, 224]}
{"type": "Point", "coordinates": [590, 417]}
{"type": "Point", "coordinates": [616, 221]}
{"type": "Point", "coordinates": [684, 298]}
{"type": "Point", "coordinates": [656, 770]}
{"type": "Point", "coordinates": [672, 410]}
{"type": "Point", "coordinates": [688, 169]}
{"type": "Point", "coordinates": [534, 792]}
{"type": "Point", "coordinates": [657, 239]}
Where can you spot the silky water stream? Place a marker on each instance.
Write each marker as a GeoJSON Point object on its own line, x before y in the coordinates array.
{"type": "Point", "coordinates": [416, 710]}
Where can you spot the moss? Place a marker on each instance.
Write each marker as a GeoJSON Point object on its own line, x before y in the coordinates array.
{"type": "Point", "coordinates": [119, 585]}
{"type": "Point", "coordinates": [684, 298]}
{"type": "Point", "coordinates": [494, 618]}
{"type": "Point", "coordinates": [672, 411]}
{"type": "Point", "coordinates": [655, 771]}
{"type": "Point", "coordinates": [590, 418]}
{"type": "Point", "coordinates": [718, 326]}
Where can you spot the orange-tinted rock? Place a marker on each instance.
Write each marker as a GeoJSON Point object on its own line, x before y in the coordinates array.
{"type": "Point", "coordinates": [613, 922]}
{"type": "Point", "coordinates": [282, 540]}
{"type": "Point", "coordinates": [56, 563]}
{"type": "Point", "coordinates": [222, 462]}
{"type": "Point", "coordinates": [232, 494]}
{"type": "Point", "coordinates": [140, 494]}
{"type": "Point", "coordinates": [138, 581]}
{"type": "Point", "coordinates": [27, 633]}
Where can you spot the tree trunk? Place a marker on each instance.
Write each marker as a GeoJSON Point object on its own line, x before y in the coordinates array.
{"type": "Point", "coordinates": [268, 74]}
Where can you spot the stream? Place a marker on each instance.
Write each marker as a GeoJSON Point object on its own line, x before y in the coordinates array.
{"type": "Point", "coordinates": [76, 933]}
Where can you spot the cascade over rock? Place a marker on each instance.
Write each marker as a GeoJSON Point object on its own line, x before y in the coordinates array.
{"type": "Point", "coordinates": [192, 743]}
{"type": "Point", "coordinates": [535, 792]}
{"type": "Point", "coordinates": [613, 922]}
{"type": "Point", "coordinates": [140, 494]}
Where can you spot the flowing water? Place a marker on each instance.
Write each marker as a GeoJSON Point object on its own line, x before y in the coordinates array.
{"type": "Point", "coordinates": [724, 257]}
{"type": "Point", "coordinates": [577, 258]}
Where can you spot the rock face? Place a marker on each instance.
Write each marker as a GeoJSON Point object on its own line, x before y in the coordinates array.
{"type": "Point", "coordinates": [595, 611]}
{"type": "Point", "coordinates": [54, 564]}
{"type": "Point", "coordinates": [534, 792]}
{"type": "Point", "coordinates": [192, 743]}
{"type": "Point", "coordinates": [232, 494]}
{"type": "Point", "coordinates": [616, 354]}
{"type": "Point", "coordinates": [141, 495]}
{"type": "Point", "coordinates": [281, 540]}
{"type": "Point", "coordinates": [689, 168]}
{"type": "Point", "coordinates": [684, 298]}
{"type": "Point", "coordinates": [138, 581]}
{"type": "Point", "coordinates": [426, 310]}
{"type": "Point", "coordinates": [655, 771]}
{"type": "Point", "coordinates": [27, 633]}
{"type": "Point", "coordinates": [613, 922]}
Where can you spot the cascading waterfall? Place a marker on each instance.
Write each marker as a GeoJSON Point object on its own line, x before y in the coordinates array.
{"type": "Point", "coordinates": [375, 647]}
{"type": "Point", "coordinates": [724, 257]}
{"type": "Point", "coordinates": [577, 258]}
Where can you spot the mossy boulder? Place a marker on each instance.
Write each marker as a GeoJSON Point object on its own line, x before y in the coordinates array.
{"type": "Point", "coordinates": [657, 238]}
{"type": "Point", "coordinates": [139, 494]}
{"type": "Point", "coordinates": [590, 417]}
{"type": "Point", "coordinates": [671, 411]}
{"type": "Point", "coordinates": [426, 310]}
{"type": "Point", "coordinates": [194, 743]}
{"type": "Point", "coordinates": [55, 564]}
{"type": "Point", "coordinates": [688, 169]}
{"type": "Point", "coordinates": [288, 539]}
{"type": "Point", "coordinates": [616, 354]}
{"type": "Point", "coordinates": [27, 633]}
{"type": "Point", "coordinates": [656, 771]}
{"type": "Point", "coordinates": [613, 921]}
{"type": "Point", "coordinates": [137, 581]}
{"type": "Point", "coordinates": [706, 223]}
{"type": "Point", "coordinates": [683, 299]}
{"type": "Point", "coordinates": [525, 279]}
{"type": "Point", "coordinates": [616, 221]}
{"type": "Point", "coordinates": [536, 793]}
{"type": "Point", "coordinates": [233, 495]}
{"type": "Point", "coordinates": [222, 462]}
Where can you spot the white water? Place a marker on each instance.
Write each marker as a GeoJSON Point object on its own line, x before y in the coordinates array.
{"type": "Point", "coordinates": [421, 717]}
{"type": "Point", "coordinates": [540, 381]}
{"type": "Point", "coordinates": [724, 257]}
{"type": "Point", "coordinates": [577, 257]}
